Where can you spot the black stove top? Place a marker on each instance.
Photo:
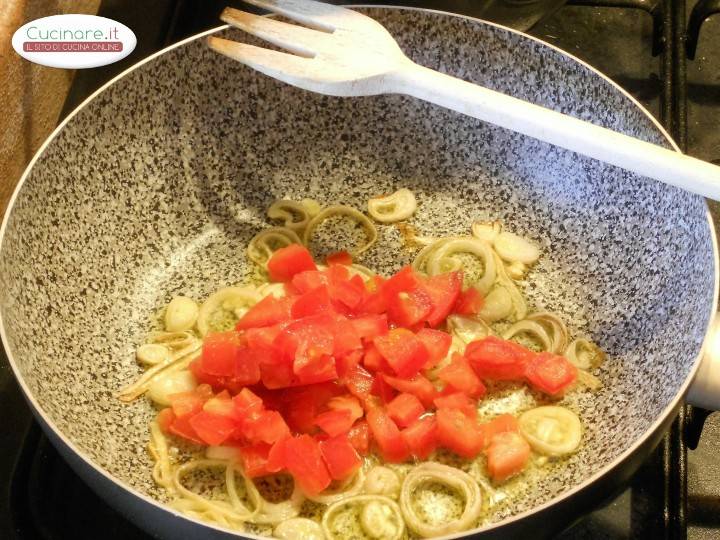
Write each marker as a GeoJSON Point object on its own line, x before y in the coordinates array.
{"type": "Point", "coordinates": [641, 44]}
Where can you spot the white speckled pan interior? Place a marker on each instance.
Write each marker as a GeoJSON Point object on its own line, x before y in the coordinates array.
{"type": "Point", "coordinates": [155, 187]}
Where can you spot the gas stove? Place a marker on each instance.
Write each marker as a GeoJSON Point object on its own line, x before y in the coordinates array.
{"type": "Point", "coordinates": [663, 52]}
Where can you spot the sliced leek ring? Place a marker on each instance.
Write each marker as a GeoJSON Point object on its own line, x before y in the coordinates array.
{"type": "Point", "coordinates": [551, 430]}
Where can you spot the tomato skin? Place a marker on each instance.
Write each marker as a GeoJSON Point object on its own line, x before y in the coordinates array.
{"type": "Point", "coordinates": [507, 455]}
{"type": "Point", "coordinates": [254, 459]}
{"type": "Point", "coordinates": [359, 437]}
{"type": "Point", "coordinates": [387, 436]}
{"type": "Point", "coordinates": [219, 351]}
{"type": "Point", "coordinates": [165, 418]}
{"type": "Point", "coordinates": [421, 436]}
{"type": "Point", "coordinates": [276, 456]}
{"type": "Point", "coordinates": [341, 459]}
{"type": "Point", "coordinates": [181, 427]}
{"type": "Point", "coordinates": [247, 366]}
{"type": "Point", "coordinates": [550, 373]}
{"type": "Point", "coordinates": [267, 312]}
{"type": "Point", "coordinates": [313, 302]}
{"type": "Point", "coordinates": [262, 338]}
{"type": "Point", "coordinates": [335, 422]}
{"type": "Point", "coordinates": [264, 426]}
{"type": "Point", "coordinates": [404, 280]}
{"type": "Point", "coordinates": [458, 375]}
{"type": "Point", "coordinates": [404, 409]}
{"type": "Point", "coordinates": [419, 386]}
{"type": "Point", "coordinates": [369, 327]}
{"type": "Point", "coordinates": [403, 350]}
{"type": "Point", "coordinates": [305, 463]}
{"type": "Point", "coordinates": [437, 344]}
{"type": "Point", "coordinates": [349, 293]}
{"type": "Point", "coordinates": [408, 308]}
{"type": "Point", "coordinates": [457, 432]}
{"type": "Point", "coordinates": [308, 280]}
{"type": "Point", "coordinates": [469, 302]}
{"type": "Point", "coordinates": [443, 290]}
{"type": "Point", "coordinates": [458, 401]}
{"type": "Point", "coordinates": [497, 359]}
{"type": "Point", "coordinates": [346, 338]}
{"type": "Point", "coordinates": [213, 429]}
{"type": "Point", "coordinates": [339, 257]}
{"type": "Point", "coordinates": [288, 261]}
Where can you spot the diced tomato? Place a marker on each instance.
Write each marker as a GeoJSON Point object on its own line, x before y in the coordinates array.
{"type": "Point", "coordinates": [305, 463]}
{"type": "Point", "coordinates": [262, 337]}
{"type": "Point", "coordinates": [550, 373]}
{"type": "Point", "coordinates": [277, 375]}
{"type": "Point", "coordinates": [370, 326]}
{"type": "Point", "coordinates": [345, 338]}
{"type": "Point", "coordinates": [470, 302]}
{"type": "Point", "coordinates": [339, 257]}
{"type": "Point", "coordinates": [341, 458]}
{"type": "Point", "coordinates": [219, 353]}
{"type": "Point", "coordinates": [403, 350]}
{"type": "Point", "coordinates": [458, 433]}
{"type": "Point", "coordinates": [276, 456]}
{"type": "Point", "coordinates": [304, 403]}
{"type": "Point", "coordinates": [374, 361]}
{"type": "Point", "coordinates": [348, 362]}
{"type": "Point", "coordinates": [443, 290]}
{"type": "Point", "coordinates": [408, 308]}
{"type": "Point", "coordinates": [337, 273]}
{"type": "Point", "coordinates": [254, 459]}
{"type": "Point", "coordinates": [246, 402]}
{"type": "Point", "coordinates": [165, 418]}
{"type": "Point", "coordinates": [418, 386]}
{"type": "Point", "coordinates": [186, 403]}
{"type": "Point", "coordinates": [212, 428]}
{"type": "Point", "coordinates": [375, 301]}
{"type": "Point", "coordinates": [335, 422]}
{"type": "Point", "coordinates": [421, 436]}
{"type": "Point", "coordinates": [309, 337]}
{"type": "Point", "coordinates": [350, 293]}
{"type": "Point", "coordinates": [507, 455]}
{"type": "Point", "coordinates": [499, 424]}
{"type": "Point", "coordinates": [313, 302]}
{"type": "Point", "coordinates": [247, 365]}
{"type": "Point", "coordinates": [315, 370]}
{"type": "Point", "coordinates": [458, 375]}
{"type": "Point", "coordinates": [404, 409]}
{"type": "Point", "coordinates": [359, 383]}
{"type": "Point", "coordinates": [498, 359]}
{"type": "Point", "coordinates": [458, 401]}
{"type": "Point", "coordinates": [346, 402]}
{"type": "Point", "coordinates": [265, 426]}
{"type": "Point", "coordinates": [221, 404]}
{"type": "Point", "coordinates": [309, 280]}
{"type": "Point", "coordinates": [383, 390]}
{"type": "Point", "coordinates": [404, 281]}
{"type": "Point", "coordinates": [182, 428]}
{"type": "Point", "coordinates": [437, 344]}
{"type": "Point", "coordinates": [387, 435]}
{"type": "Point", "coordinates": [359, 437]}
{"type": "Point", "coordinates": [267, 312]}
{"type": "Point", "coordinates": [288, 261]}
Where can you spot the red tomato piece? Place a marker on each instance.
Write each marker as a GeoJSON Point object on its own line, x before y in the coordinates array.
{"type": "Point", "coordinates": [443, 290]}
{"type": "Point", "coordinates": [341, 458]}
{"type": "Point", "coordinates": [418, 386]}
{"type": "Point", "coordinates": [382, 390]}
{"type": "Point", "coordinates": [370, 326]}
{"type": "Point", "coordinates": [348, 362]}
{"type": "Point", "coordinates": [313, 302]}
{"type": "Point", "coordinates": [404, 281]}
{"type": "Point", "coordinates": [186, 403]}
{"type": "Point", "coordinates": [408, 308]}
{"type": "Point", "coordinates": [374, 361]}
{"type": "Point", "coordinates": [254, 460]}
{"type": "Point", "coordinates": [339, 257]}
{"type": "Point", "coordinates": [498, 359]}
{"type": "Point", "coordinates": [247, 366]}
{"type": "Point", "coordinates": [265, 426]}
{"type": "Point", "coordinates": [458, 433]}
{"type": "Point", "coordinates": [221, 404]}
{"type": "Point", "coordinates": [437, 343]}
{"type": "Point", "coordinates": [302, 405]}
{"type": "Point", "coordinates": [470, 302]}
{"type": "Point", "coordinates": [335, 422]}
{"type": "Point", "coordinates": [347, 402]}
{"type": "Point", "coordinates": [165, 418]}
{"type": "Point", "coordinates": [392, 446]}
{"type": "Point", "coordinates": [500, 424]}
{"type": "Point", "coordinates": [288, 261]}
{"type": "Point", "coordinates": [267, 312]}
{"type": "Point", "coordinates": [459, 376]}
{"type": "Point", "coordinates": [359, 437]}
{"type": "Point", "coordinates": [277, 375]}
{"type": "Point", "coordinates": [315, 369]}
{"type": "Point", "coordinates": [359, 383]}
{"type": "Point", "coordinates": [337, 273]}
{"type": "Point", "coordinates": [507, 455]}
{"type": "Point", "coordinates": [403, 350]}
{"type": "Point", "coordinates": [309, 280]}
{"type": "Point", "coordinates": [261, 338]}
{"type": "Point", "coordinates": [246, 403]}
{"type": "Point", "coordinates": [346, 338]}
{"type": "Point", "coordinates": [458, 401]}
{"type": "Point", "coordinates": [305, 463]}
{"type": "Point", "coordinates": [421, 436]}
{"type": "Point", "coordinates": [213, 429]}
{"type": "Point", "coordinates": [310, 337]}
{"type": "Point", "coordinates": [276, 456]}
{"type": "Point", "coordinates": [182, 428]}
{"type": "Point", "coordinates": [219, 353]}
{"type": "Point", "coordinates": [404, 409]}
{"type": "Point", "coordinates": [350, 293]}
{"type": "Point", "coordinates": [550, 373]}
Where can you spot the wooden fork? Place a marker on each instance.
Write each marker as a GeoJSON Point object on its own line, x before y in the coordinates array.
{"type": "Point", "coordinates": [341, 52]}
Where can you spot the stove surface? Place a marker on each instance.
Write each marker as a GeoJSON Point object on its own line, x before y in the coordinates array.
{"type": "Point", "coordinates": [40, 497]}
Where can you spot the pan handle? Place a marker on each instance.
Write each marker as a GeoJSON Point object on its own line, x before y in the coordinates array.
{"type": "Point", "coordinates": [705, 389]}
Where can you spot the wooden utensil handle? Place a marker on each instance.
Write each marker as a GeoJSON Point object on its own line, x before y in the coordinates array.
{"type": "Point", "coordinates": [559, 129]}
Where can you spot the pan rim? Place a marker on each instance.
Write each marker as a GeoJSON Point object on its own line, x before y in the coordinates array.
{"type": "Point", "coordinates": [667, 411]}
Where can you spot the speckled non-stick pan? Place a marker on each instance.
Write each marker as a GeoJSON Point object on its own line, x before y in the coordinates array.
{"type": "Point", "coordinates": [154, 186]}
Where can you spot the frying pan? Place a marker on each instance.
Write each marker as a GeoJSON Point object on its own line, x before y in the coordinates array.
{"type": "Point", "coordinates": [153, 187]}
